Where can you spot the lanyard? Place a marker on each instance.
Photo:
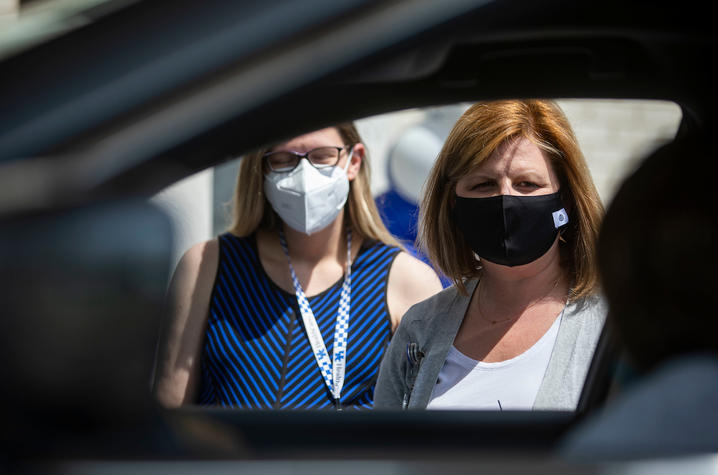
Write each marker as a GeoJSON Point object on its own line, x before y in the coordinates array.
{"type": "Point", "coordinates": [332, 371]}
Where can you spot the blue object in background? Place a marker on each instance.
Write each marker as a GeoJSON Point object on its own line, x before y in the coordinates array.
{"type": "Point", "coordinates": [400, 217]}
{"type": "Point", "coordinates": [408, 164]}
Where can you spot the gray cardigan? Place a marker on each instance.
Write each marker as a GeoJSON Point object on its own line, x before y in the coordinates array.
{"type": "Point", "coordinates": [432, 326]}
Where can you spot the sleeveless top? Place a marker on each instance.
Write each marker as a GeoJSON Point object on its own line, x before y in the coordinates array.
{"type": "Point", "coordinates": [256, 353]}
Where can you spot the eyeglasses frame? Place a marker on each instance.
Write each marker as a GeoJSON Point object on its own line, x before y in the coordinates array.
{"type": "Point", "coordinates": [300, 156]}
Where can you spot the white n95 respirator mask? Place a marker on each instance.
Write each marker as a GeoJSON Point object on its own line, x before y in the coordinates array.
{"type": "Point", "coordinates": [308, 199]}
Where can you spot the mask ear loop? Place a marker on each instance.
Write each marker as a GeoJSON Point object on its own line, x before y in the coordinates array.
{"type": "Point", "coordinates": [349, 159]}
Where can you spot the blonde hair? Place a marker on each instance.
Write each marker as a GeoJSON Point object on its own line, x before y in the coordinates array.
{"type": "Point", "coordinates": [252, 211]}
{"type": "Point", "coordinates": [476, 135]}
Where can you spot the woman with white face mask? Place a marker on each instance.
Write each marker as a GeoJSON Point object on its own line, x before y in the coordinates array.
{"type": "Point", "coordinates": [293, 307]}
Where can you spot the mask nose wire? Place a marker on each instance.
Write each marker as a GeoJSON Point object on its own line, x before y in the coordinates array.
{"type": "Point", "coordinates": [304, 159]}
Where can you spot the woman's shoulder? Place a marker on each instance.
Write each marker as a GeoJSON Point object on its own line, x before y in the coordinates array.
{"type": "Point", "coordinates": [205, 250]}
{"type": "Point", "coordinates": [589, 311]}
{"type": "Point", "coordinates": [373, 245]}
{"type": "Point", "coordinates": [197, 267]}
{"type": "Point", "coordinates": [435, 320]}
{"type": "Point", "coordinates": [593, 305]}
{"type": "Point", "coordinates": [374, 253]}
{"type": "Point", "coordinates": [239, 245]}
{"type": "Point", "coordinates": [229, 236]}
{"type": "Point", "coordinates": [416, 273]}
{"type": "Point", "coordinates": [436, 306]}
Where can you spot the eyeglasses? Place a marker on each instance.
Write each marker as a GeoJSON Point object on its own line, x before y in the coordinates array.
{"type": "Point", "coordinates": [321, 157]}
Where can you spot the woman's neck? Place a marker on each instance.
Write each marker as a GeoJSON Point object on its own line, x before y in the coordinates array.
{"type": "Point", "coordinates": [513, 288]}
{"type": "Point", "coordinates": [512, 307]}
{"type": "Point", "coordinates": [328, 243]}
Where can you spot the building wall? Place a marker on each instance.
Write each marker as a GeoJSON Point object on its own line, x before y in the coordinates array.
{"type": "Point", "coordinates": [9, 9]}
{"type": "Point", "coordinates": [189, 204]}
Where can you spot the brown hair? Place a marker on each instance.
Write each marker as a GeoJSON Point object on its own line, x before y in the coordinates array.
{"type": "Point", "coordinates": [476, 135]}
{"type": "Point", "coordinates": [252, 211]}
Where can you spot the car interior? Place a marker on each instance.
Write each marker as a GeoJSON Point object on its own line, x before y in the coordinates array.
{"type": "Point", "coordinates": [129, 97]}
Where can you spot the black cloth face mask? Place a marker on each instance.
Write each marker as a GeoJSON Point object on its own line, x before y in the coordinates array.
{"type": "Point", "coordinates": [510, 230]}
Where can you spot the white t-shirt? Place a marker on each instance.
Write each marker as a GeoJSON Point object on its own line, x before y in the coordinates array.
{"type": "Point", "coordinates": [465, 383]}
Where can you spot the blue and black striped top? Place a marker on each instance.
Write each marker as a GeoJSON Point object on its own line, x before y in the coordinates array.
{"type": "Point", "coordinates": [256, 352]}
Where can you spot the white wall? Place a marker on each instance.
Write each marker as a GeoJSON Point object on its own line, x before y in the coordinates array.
{"type": "Point", "coordinates": [616, 134]}
{"type": "Point", "coordinates": [189, 204]}
{"type": "Point", "coordinates": [9, 9]}
{"type": "Point", "coordinates": [379, 134]}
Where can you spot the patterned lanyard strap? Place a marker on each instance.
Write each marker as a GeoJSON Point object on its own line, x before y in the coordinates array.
{"type": "Point", "coordinates": [332, 371]}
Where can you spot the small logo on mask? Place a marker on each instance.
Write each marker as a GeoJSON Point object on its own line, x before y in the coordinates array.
{"type": "Point", "coordinates": [560, 218]}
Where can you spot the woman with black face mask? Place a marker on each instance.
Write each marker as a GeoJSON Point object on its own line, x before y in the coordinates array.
{"type": "Point", "coordinates": [511, 215]}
